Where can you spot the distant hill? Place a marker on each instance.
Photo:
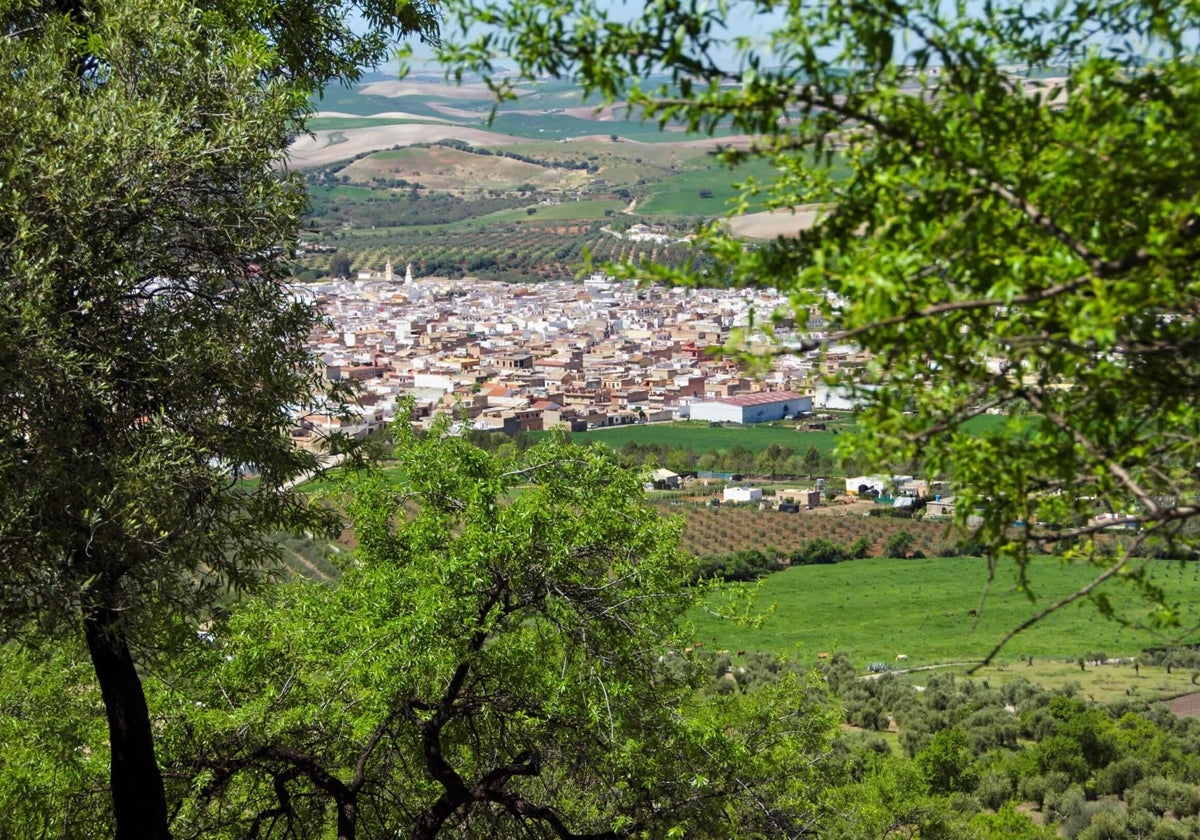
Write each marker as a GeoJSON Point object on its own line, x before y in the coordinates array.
{"type": "Point", "coordinates": [419, 170]}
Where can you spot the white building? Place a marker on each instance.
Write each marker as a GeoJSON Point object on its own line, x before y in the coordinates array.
{"type": "Point", "coordinates": [760, 407]}
{"type": "Point", "coordinates": [743, 494]}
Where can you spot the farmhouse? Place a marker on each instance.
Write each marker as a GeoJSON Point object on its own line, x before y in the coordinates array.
{"type": "Point", "coordinates": [759, 407]}
{"type": "Point", "coordinates": [743, 494]}
{"type": "Point", "coordinates": [940, 506]}
{"type": "Point", "coordinates": [662, 479]}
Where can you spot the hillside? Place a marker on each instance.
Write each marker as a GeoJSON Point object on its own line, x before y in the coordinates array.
{"type": "Point", "coordinates": [438, 175]}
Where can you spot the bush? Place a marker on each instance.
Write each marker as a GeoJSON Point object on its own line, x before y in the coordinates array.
{"type": "Point", "coordinates": [1069, 809]}
{"type": "Point", "coordinates": [994, 789]}
{"type": "Point", "coordinates": [860, 548]}
{"type": "Point", "coordinates": [899, 544]}
{"type": "Point", "coordinates": [819, 550]}
{"type": "Point", "coordinates": [1104, 823]}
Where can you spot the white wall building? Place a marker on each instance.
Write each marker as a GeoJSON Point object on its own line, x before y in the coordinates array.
{"type": "Point", "coordinates": [760, 407]}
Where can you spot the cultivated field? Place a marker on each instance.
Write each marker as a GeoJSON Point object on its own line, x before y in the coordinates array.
{"type": "Point", "coordinates": [549, 155]}
{"type": "Point", "coordinates": [877, 608]}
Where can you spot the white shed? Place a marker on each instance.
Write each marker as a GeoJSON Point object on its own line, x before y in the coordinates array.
{"type": "Point", "coordinates": [743, 494]}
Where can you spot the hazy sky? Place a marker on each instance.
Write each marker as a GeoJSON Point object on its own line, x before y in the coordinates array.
{"type": "Point", "coordinates": [758, 27]}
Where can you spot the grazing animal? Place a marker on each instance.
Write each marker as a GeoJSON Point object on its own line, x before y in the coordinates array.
{"type": "Point", "coordinates": [901, 657]}
{"type": "Point", "coordinates": [972, 613]}
{"type": "Point", "coordinates": [822, 655]}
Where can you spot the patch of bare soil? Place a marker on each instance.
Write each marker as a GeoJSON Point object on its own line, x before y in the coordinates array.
{"type": "Point", "coordinates": [322, 147]}
{"type": "Point", "coordinates": [457, 113]}
{"type": "Point", "coordinates": [776, 223]}
{"type": "Point", "coordinates": [604, 113]}
{"type": "Point", "coordinates": [842, 507]}
{"type": "Point", "coordinates": [1031, 810]}
{"type": "Point", "coordinates": [1187, 705]}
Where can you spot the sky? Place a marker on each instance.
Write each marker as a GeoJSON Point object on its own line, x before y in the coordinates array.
{"type": "Point", "coordinates": [740, 24]}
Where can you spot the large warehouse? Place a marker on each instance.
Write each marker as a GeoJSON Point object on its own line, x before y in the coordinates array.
{"type": "Point", "coordinates": [760, 407]}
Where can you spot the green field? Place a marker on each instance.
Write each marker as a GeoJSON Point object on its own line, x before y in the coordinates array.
{"type": "Point", "coordinates": [568, 211]}
{"type": "Point", "coordinates": [680, 193]}
{"type": "Point", "coordinates": [876, 608]}
{"type": "Point", "coordinates": [701, 437]}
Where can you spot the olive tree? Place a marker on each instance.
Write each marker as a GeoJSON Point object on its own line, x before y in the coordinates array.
{"type": "Point", "coordinates": [1005, 220]}
{"type": "Point", "coordinates": [506, 654]}
{"type": "Point", "coordinates": [153, 347]}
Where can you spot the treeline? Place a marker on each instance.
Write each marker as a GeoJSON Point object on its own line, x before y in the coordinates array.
{"type": "Point", "coordinates": [774, 461]}
{"type": "Point", "coordinates": [753, 563]}
{"type": "Point", "coordinates": [589, 165]}
{"type": "Point", "coordinates": [391, 206]}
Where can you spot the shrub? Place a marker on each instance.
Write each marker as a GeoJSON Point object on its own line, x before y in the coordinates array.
{"type": "Point", "coordinates": [994, 789]}
{"type": "Point", "coordinates": [898, 544]}
{"type": "Point", "coordinates": [819, 550]}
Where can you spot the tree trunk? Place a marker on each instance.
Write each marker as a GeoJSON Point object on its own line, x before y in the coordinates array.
{"type": "Point", "coordinates": [347, 818]}
{"type": "Point", "coordinates": [139, 800]}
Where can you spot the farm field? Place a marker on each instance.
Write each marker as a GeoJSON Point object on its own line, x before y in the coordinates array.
{"type": "Point", "coordinates": [876, 608]}
{"type": "Point", "coordinates": [714, 531]}
{"type": "Point", "coordinates": [700, 436]}
{"type": "Point", "coordinates": [547, 158]}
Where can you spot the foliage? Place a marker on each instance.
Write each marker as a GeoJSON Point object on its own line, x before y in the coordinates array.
{"type": "Point", "coordinates": [898, 544]}
{"type": "Point", "coordinates": [1017, 231]}
{"type": "Point", "coordinates": [153, 347]}
{"type": "Point", "coordinates": [947, 763]}
{"type": "Point", "coordinates": [55, 767]}
{"type": "Point", "coordinates": [503, 656]}
{"type": "Point", "coordinates": [923, 608]}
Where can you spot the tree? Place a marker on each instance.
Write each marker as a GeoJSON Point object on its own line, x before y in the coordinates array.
{"type": "Point", "coordinates": [812, 461]}
{"type": "Point", "coordinates": [898, 544]}
{"type": "Point", "coordinates": [339, 266]}
{"type": "Point", "coordinates": [505, 656]}
{"type": "Point", "coordinates": [947, 762]}
{"type": "Point", "coordinates": [153, 349]}
{"type": "Point", "coordinates": [1009, 226]}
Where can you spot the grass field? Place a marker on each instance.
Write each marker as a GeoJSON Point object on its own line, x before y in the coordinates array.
{"type": "Point", "coordinates": [876, 608]}
{"type": "Point", "coordinates": [680, 194]}
{"type": "Point", "coordinates": [700, 436]}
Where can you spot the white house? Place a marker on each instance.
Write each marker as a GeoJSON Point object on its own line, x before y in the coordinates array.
{"type": "Point", "coordinates": [759, 407]}
{"type": "Point", "coordinates": [743, 494]}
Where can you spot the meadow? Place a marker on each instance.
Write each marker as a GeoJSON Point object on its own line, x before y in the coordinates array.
{"type": "Point", "coordinates": [876, 608]}
{"type": "Point", "coordinates": [699, 436]}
